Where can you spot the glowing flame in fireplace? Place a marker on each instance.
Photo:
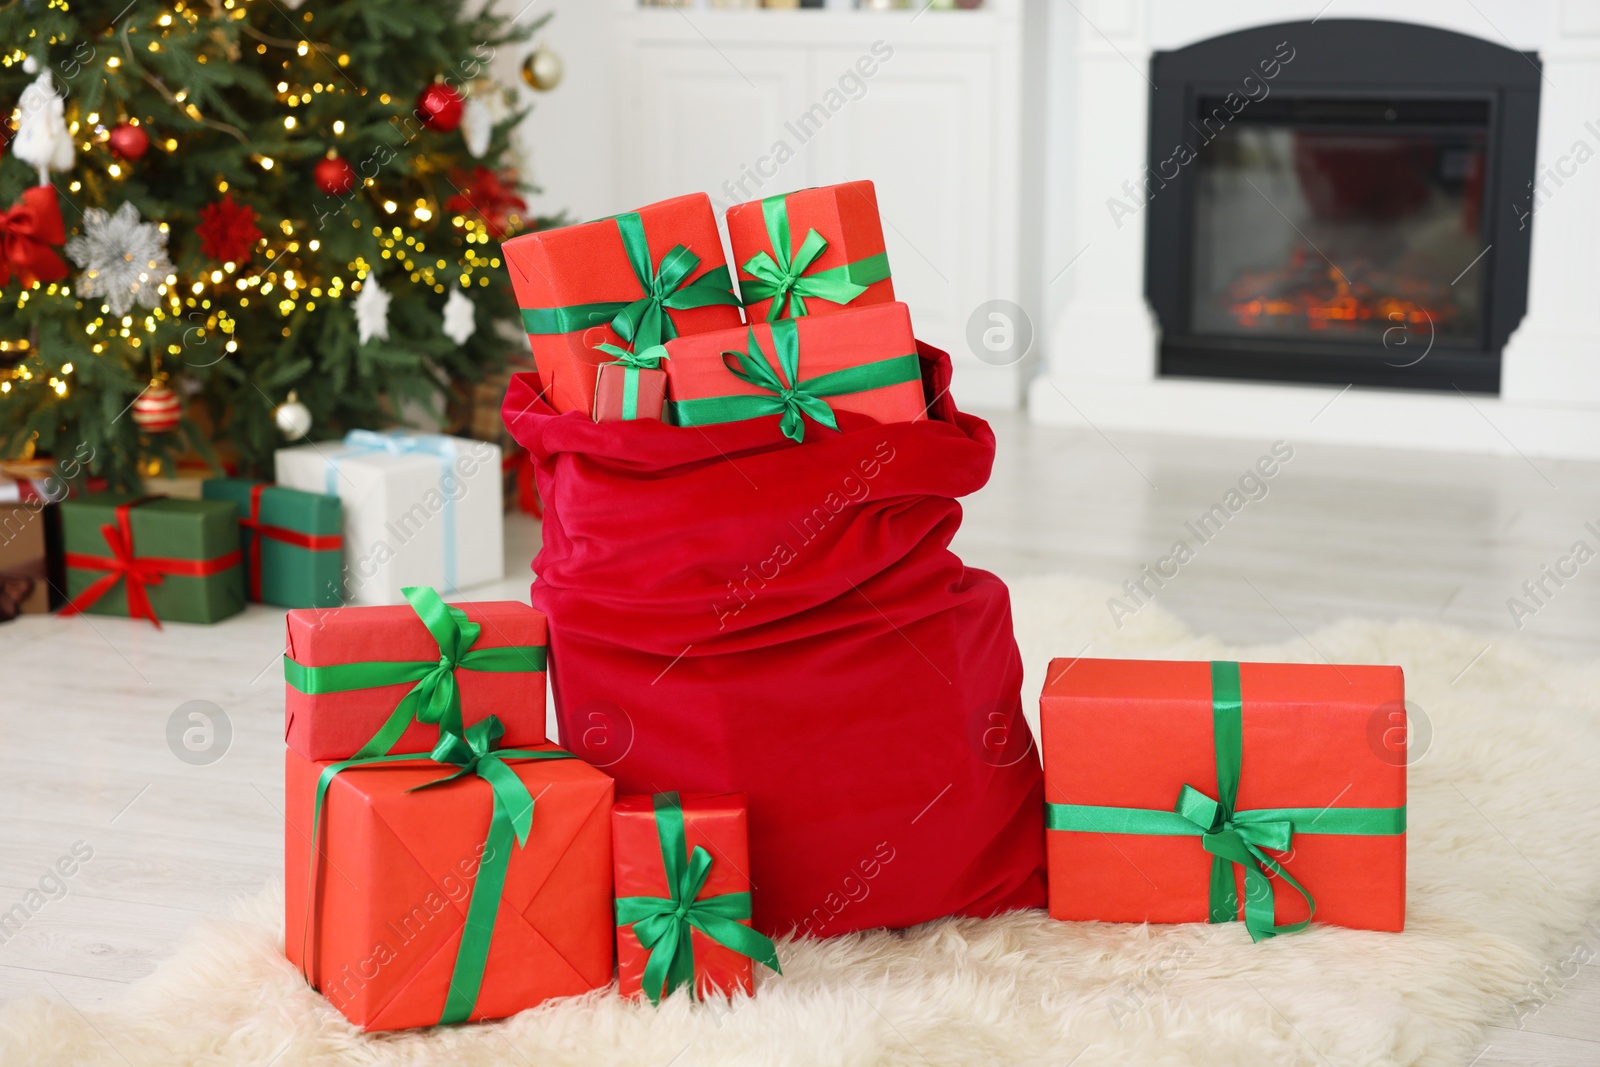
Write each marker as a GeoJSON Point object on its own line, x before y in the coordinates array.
{"type": "Point", "coordinates": [1304, 296]}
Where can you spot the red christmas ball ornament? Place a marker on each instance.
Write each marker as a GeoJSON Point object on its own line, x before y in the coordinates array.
{"type": "Point", "coordinates": [129, 142]}
{"type": "Point", "coordinates": [157, 409]}
{"type": "Point", "coordinates": [334, 176]}
{"type": "Point", "coordinates": [440, 107]}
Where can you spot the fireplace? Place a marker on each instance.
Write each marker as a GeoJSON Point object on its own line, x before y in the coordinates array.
{"type": "Point", "coordinates": [1337, 201]}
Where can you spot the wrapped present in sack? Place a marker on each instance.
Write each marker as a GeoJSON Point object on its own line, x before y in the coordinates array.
{"type": "Point", "coordinates": [1214, 792]}
{"type": "Point", "coordinates": [801, 370]}
{"type": "Point", "coordinates": [811, 252]}
{"type": "Point", "coordinates": [733, 612]}
{"type": "Point", "coordinates": [633, 280]}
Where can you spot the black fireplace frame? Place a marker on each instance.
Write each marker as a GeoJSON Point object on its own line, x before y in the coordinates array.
{"type": "Point", "coordinates": [1348, 59]}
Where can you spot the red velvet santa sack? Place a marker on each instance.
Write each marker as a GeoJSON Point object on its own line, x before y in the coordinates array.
{"type": "Point", "coordinates": [733, 612]}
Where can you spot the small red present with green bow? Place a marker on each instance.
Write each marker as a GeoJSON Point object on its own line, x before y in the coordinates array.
{"type": "Point", "coordinates": [683, 896]}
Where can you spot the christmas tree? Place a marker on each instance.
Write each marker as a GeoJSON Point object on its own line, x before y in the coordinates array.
{"type": "Point", "coordinates": [226, 221]}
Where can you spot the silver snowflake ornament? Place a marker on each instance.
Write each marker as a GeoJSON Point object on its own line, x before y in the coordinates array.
{"type": "Point", "coordinates": [124, 258]}
{"type": "Point", "coordinates": [372, 311]}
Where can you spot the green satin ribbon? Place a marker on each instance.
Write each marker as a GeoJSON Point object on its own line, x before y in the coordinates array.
{"type": "Point", "coordinates": [790, 284]}
{"type": "Point", "coordinates": [790, 402]}
{"type": "Point", "coordinates": [632, 363]}
{"type": "Point", "coordinates": [1233, 837]}
{"type": "Point", "coordinates": [474, 752]}
{"type": "Point", "coordinates": [643, 322]}
{"type": "Point", "coordinates": [663, 924]}
{"type": "Point", "coordinates": [435, 698]}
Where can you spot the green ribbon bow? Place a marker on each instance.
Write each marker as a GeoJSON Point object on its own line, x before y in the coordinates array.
{"type": "Point", "coordinates": [435, 698]}
{"type": "Point", "coordinates": [790, 284]}
{"type": "Point", "coordinates": [644, 321]}
{"type": "Point", "coordinates": [791, 401]}
{"type": "Point", "coordinates": [632, 362]}
{"type": "Point", "coordinates": [663, 924]}
{"type": "Point", "coordinates": [473, 752]}
{"type": "Point", "coordinates": [1234, 838]}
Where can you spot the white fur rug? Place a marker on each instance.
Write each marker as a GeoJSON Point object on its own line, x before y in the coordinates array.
{"type": "Point", "coordinates": [1504, 869]}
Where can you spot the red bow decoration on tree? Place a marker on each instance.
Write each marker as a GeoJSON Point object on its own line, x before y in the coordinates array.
{"type": "Point", "coordinates": [27, 231]}
{"type": "Point", "coordinates": [138, 571]}
{"type": "Point", "coordinates": [485, 193]}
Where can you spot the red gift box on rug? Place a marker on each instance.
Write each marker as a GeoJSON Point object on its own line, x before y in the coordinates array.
{"type": "Point", "coordinates": [860, 361]}
{"type": "Point", "coordinates": [691, 853]}
{"type": "Point", "coordinates": [369, 680]}
{"type": "Point", "coordinates": [811, 252]}
{"type": "Point", "coordinates": [634, 279]}
{"type": "Point", "coordinates": [466, 899]}
{"type": "Point", "coordinates": [1194, 792]}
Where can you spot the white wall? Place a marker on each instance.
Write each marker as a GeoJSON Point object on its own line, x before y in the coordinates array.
{"type": "Point", "coordinates": [568, 143]}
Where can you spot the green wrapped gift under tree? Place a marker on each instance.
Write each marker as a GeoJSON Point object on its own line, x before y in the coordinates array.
{"type": "Point", "coordinates": [152, 558]}
{"type": "Point", "coordinates": [292, 542]}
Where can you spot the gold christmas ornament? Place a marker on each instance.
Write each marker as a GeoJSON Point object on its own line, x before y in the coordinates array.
{"type": "Point", "coordinates": [542, 68]}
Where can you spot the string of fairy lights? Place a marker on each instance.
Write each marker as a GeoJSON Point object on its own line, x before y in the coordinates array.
{"type": "Point", "coordinates": [287, 277]}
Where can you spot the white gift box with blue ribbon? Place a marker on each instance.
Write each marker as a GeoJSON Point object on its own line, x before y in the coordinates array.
{"type": "Point", "coordinates": [419, 509]}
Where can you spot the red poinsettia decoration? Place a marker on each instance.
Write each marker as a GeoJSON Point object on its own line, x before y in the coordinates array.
{"type": "Point", "coordinates": [489, 195]}
{"type": "Point", "coordinates": [228, 231]}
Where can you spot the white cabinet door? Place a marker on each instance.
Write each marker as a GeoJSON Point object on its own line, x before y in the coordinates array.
{"type": "Point", "coordinates": [922, 131]}
{"type": "Point", "coordinates": [705, 117]}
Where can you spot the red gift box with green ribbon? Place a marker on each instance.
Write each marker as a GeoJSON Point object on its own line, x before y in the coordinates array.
{"type": "Point", "coordinates": [633, 280]}
{"type": "Point", "coordinates": [1213, 792]}
{"type": "Point", "coordinates": [683, 896]}
{"type": "Point", "coordinates": [365, 681]}
{"type": "Point", "coordinates": [469, 882]}
{"type": "Point", "coordinates": [811, 252]}
{"type": "Point", "coordinates": [802, 370]}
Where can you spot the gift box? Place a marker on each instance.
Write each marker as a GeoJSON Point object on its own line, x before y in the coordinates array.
{"type": "Point", "coordinates": [683, 896]}
{"type": "Point", "coordinates": [635, 280]}
{"type": "Point", "coordinates": [369, 680]}
{"type": "Point", "coordinates": [811, 252]}
{"type": "Point", "coordinates": [633, 386]}
{"type": "Point", "coordinates": [419, 509]}
{"type": "Point", "coordinates": [152, 558]}
{"type": "Point", "coordinates": [31, 575]}
{"type": "Point", "coordinates": [469, 884]}
{"type": "Point", "coordinates": [1195, 792]}
{"type": "Point", "coordinates": [860, 361]}
{"type": "Point", "coordinates": [292, 542]}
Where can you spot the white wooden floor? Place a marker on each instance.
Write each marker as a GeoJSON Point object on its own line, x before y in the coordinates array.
{"type": "Point", "coordinates": [85, 703]}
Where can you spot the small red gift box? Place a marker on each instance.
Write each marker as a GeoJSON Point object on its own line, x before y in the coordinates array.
{"type": "Point", "coordinates": [1193, 792]}
{"type": "Point", "coordinates": [634, 279]}
{"type": "Point", "coordinates": [690, 852]}
{"type": "Point", "coordinates": [859, 361]}
{"type": "Point", "coordinates": [811, 252]}
{"type": "Point", "coordinates": [624, 392]}
{"type": "Point", "coordinates": [367, 680]}
{"type": "Point", "coordinates": [392, 924]}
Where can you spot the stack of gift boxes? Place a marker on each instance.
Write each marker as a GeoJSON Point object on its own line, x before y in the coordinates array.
{"type": "Point", "coordinates": [353, 521]}
{"type": "Point", "coordinates": [446, 862]}
{"type": "Point", "coordinates": [635, 317]}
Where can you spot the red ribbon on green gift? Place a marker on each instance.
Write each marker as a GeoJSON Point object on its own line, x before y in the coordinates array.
{"type": "Point", "coordinates": [139, 572]}
{"type": "Point", "coordinates": [282, 534]}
